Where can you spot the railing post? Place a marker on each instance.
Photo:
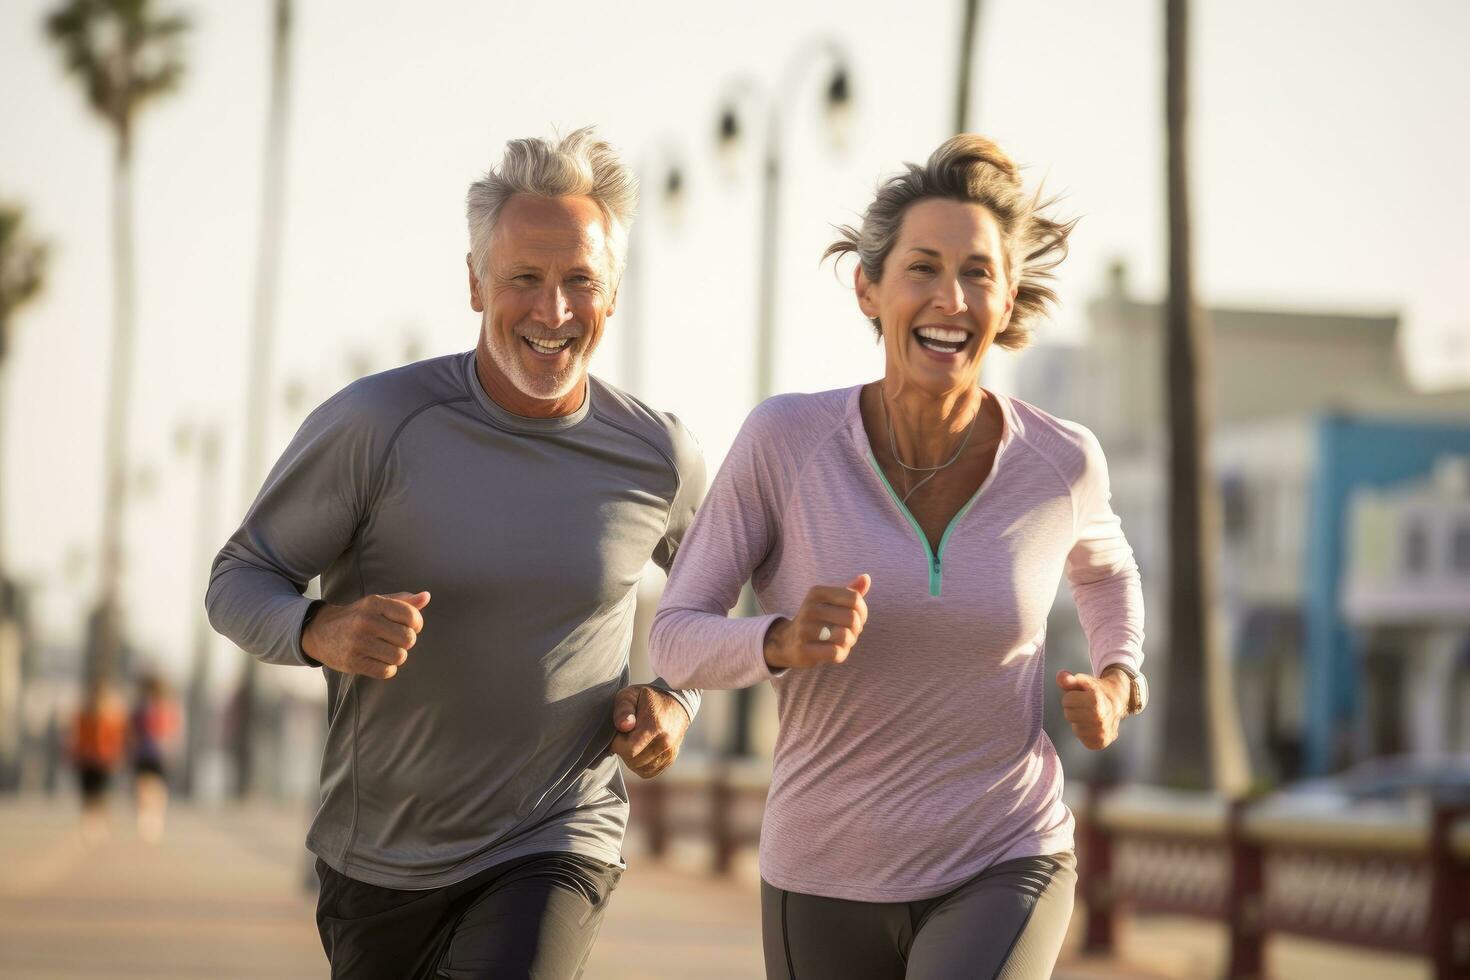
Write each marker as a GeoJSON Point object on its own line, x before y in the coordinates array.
{"type": "Point", "coordinates": [1245, 898]}
{"type": "Point", "coordinates": [1449, 900]}
{"type": "Point", "coordinates": [722, 821]}
{"type": "Point", "coordinates": [655, 801]}
{"type": "Point", "coordinates": [1094, 873]}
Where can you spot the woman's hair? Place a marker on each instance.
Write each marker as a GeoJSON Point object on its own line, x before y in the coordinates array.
{"type": "Point", "coordinates": [972, 169]}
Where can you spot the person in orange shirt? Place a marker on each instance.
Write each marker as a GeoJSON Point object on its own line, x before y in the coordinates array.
{"type": "Point", "coordinates": [98, 741]}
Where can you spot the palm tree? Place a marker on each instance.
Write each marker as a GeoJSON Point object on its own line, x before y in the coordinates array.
{"type": "Point", "coordinates": [1200, 680]}
{"type": "Point", "coordinates": [125, 54]}
{"type": "Point", "coordinates": [22, 270]}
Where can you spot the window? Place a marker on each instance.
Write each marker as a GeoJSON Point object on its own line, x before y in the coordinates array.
{"type": "Point", "coordinates": [1416, 549]}
{"type": "Point", "coordinates": [1460, 549]}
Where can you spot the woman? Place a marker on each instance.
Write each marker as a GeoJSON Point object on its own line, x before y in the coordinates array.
{"type": "Point", "coordinates": [905, 539]}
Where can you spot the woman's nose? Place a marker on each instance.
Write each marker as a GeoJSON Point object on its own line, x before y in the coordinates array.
{"type": "Point", "coordinates": [949, 297]}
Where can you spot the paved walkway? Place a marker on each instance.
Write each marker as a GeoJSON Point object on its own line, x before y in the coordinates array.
{"type": "Point", "coordinates": [223, 896]}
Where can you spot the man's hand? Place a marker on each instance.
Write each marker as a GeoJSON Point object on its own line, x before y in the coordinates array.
{"type": "Point", "coordinates": [371, 637]}
{"type": "Point", "coordinates": [1094, 707]}
{"type": "Point", "coordinates": [825, 628]}
{"type": "Point", "coordinates": [650, 726]}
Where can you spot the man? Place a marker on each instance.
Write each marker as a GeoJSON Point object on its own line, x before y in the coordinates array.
{"type": "Point", "coordinates": [480, 523]}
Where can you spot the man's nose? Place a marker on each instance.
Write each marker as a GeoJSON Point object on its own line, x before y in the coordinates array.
{"type": "Point", "coordinates": [552, 307]}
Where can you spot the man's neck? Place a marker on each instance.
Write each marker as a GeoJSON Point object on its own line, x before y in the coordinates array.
{"type": "Point", "coordinates": [517, 402]}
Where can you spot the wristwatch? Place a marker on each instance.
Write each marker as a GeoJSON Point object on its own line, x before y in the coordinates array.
{"type": "Point", "coordinates": [1137, 687]}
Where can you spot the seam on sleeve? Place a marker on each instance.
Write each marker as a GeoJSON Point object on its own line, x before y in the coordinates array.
{"type": "Point", "coordinates": [382, 467]}
{"type": "Point", "coordinates": [806, 462]}
{"type": "Point", "coordinates": [668, 460]}
{"type": "Point", "coordinates": [1071, 492]}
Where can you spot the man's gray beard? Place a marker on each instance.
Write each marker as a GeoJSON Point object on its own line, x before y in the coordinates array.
{"type": "Point", "coordinates": [543, 386]}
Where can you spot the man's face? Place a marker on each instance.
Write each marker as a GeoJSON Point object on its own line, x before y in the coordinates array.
{"type": "Point", "coordinates": [548, 288]}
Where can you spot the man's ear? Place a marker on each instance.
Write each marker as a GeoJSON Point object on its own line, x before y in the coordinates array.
{"type": "Point", "coordinates": [866, 293]}
{"type": "Point", "coordinates": [476, 303]}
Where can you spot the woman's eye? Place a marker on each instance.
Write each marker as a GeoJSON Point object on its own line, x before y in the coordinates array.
{"type": "Point", "coordinates": [979, 273]}
{"type": "Point", "coordinates": [921, 267]}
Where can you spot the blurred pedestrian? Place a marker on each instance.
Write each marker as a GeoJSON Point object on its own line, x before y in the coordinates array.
{"type": "Point", "coordinates": [97, 745]}
{"type": "Point", "coordinates": [152, 732]}
{"type": "Point", "coordinates": [905, 538]}
{"type": "Point", "coordinates": [473, 809]}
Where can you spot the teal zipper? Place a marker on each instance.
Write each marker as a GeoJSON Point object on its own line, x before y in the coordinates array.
{"type": "Point", "coordinates": [936, 567]}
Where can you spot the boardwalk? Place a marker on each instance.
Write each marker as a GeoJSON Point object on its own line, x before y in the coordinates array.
{"type": "Point", "coordinates": [223, 897]}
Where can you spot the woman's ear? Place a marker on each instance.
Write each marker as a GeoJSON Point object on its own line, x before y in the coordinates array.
{"type": "Point", "coordinates": [867, 293]}
{"type": "Point", "coordinates": [1005, 323]}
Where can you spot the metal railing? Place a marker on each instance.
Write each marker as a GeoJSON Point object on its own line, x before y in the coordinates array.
{"type": "Point", "coordinates": [717, 799]}
{"type": "Point", "coordinates": [1393, 877]}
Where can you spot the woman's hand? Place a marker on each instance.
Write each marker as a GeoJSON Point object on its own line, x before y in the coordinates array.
{"type": "Point", "coordinates": [1093, 706]}
{"type": "Point", "coordinates": [829, 622]}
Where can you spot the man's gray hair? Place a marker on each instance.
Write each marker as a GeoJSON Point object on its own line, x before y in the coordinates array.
{"type": "Point", "coordinates": [575, 165]}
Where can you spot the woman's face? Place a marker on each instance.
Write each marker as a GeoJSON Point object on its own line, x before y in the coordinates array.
{"type": "Point", "coordinates": [944, 297]}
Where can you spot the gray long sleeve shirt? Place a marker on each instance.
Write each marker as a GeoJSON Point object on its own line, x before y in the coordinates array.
{"type": "Point", "coordinates": [531, 534]}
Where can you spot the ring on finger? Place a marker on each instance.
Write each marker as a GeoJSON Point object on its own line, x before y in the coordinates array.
{"type": "Point", "coordinates": [825, 634]}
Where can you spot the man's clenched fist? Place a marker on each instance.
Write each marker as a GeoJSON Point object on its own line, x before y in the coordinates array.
{"type": "Point", "coordinates": [371, 637]}
{"type": "Point", "coordinates": [649, 726]}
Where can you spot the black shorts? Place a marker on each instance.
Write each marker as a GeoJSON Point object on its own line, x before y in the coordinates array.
{"type": "Point", "coordinates": [532, 917]}
{"type": "Point", "coordinates": [147, 765]}
{"type": "Point", "coordinates": [94, 780]}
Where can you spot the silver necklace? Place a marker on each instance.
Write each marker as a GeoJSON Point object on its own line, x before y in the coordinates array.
{"type": "Point", "coordinates": [933, 471]}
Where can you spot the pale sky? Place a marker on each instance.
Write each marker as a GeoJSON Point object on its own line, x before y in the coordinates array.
{"type": "Point", "coordinates": [1329, 149]}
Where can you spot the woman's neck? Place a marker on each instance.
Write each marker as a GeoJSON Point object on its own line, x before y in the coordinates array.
{"type": "Point", "coordinates": [926, 426]}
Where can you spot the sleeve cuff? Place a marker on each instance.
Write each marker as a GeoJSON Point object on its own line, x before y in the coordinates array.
{"type": "Point", "coordinates": [762, 670]}
{"type": "Point", "coordinates": [307, 614]}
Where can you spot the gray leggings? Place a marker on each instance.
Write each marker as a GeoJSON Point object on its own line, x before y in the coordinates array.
{"type": "Point", "coordinates": [1007, 922]}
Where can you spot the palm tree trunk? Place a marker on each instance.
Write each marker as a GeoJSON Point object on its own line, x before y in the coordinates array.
{"type": "Point", "coordinates": [262, 337]}
{"type": "Point", "coordinates": [1200, 680]}
{"type": "Point", "coordinates": [105, 646]}
{"type": "Point", "coordinates": [197, 741]}
{"type": "Point", "coordinates": [968, 42]}
{"type": "Point", "coordinates": [12, 656]}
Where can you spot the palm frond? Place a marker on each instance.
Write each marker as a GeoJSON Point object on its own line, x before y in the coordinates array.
{"type": "Point", "coordinates": [22, 265]}
{"type": "Point", "coordinates": [124, 52]}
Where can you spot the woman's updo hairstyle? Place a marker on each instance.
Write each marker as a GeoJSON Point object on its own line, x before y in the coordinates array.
{"type": "Point", "coordinates": [972, 169]}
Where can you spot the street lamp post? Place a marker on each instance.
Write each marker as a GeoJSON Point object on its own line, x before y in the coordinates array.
{"type": "Point", "coordinates": [837, 101]}
{"type": "Point", "coordinates": [670, 182]}
{"type": "Point", "coordinates": [202, 443]}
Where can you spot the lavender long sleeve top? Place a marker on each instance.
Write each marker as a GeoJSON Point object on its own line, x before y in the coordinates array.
{"type": "Point", "coordinates": [921, 760]}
